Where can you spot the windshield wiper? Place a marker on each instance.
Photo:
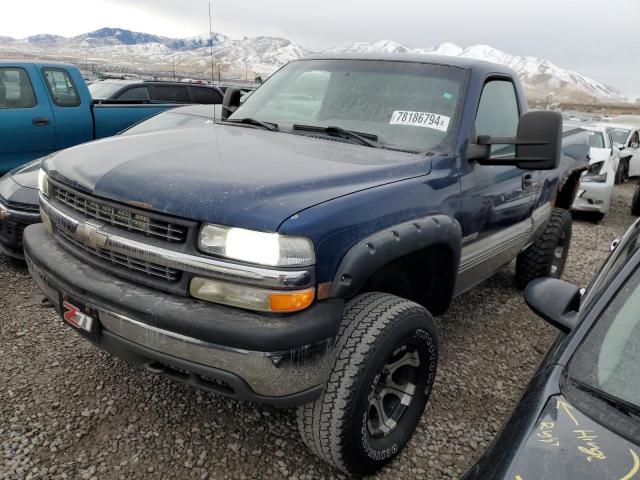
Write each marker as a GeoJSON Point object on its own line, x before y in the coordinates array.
{"type": "Point", "coordinates": [273, 127]}
{"type": "Point", "coordinates": [367, 139]}
{"type": "Point", "coordinates": [619, 404]}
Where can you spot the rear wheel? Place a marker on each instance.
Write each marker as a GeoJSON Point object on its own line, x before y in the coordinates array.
{"type": "Point", "coordinates": [547, 256]}
{"type": "Point", "coordinates": [635, 203]}
{"type": "Point", "coordinates": [386, 358]}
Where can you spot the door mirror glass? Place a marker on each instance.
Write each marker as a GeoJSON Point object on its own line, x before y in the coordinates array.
{"type": "Point", "coordinates": [556, 301]}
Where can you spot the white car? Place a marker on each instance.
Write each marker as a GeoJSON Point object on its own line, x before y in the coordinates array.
{"type": "Point", "coordinates": [625, 138]}
{"type": "Point", "coordinates": [596, 185]}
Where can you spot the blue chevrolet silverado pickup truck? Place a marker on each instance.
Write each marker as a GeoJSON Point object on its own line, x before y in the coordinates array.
{"type": "Point", "coordinates": [45, 107]}
{"type": "Point", "coordinates": [295, 253]}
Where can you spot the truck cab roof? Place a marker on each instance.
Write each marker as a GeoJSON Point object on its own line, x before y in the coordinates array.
{"type": "Point", "coordinates": [37, 63]}
{"type": "Point", "coordinates": [478, 66]}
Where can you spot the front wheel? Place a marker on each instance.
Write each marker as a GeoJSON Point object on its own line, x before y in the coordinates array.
{"type": "Point", "coordinates": [635, 203]}
{"type": "Point", "coordinates": [622, 174]}
{"type": "Point", "coordinates": [386, 359]}
{"type": "Point", "coordinates": [547, 256]}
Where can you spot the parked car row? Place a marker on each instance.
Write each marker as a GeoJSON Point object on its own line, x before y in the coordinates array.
{"type": "Point", "coordinates": [46, 107]}
{"type": "Point", "coordinates": [614, 157]}
{"type": "Point", "coordinates": [19, 205]}
{"type": "Point", "coordinates": [296, 252]}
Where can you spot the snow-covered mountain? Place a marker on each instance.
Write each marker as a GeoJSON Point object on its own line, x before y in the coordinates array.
{"type": "Point", "coordinates": [118, 49]}
{"type": "Point", "coordinates": [540, 77]}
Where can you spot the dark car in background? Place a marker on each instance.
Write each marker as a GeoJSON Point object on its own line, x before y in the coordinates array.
{"type": "Point", "coordinates": [579, 417]}
{"type": "Point", "coordinates": [19, 188]}
{"type": "Point", "coordinates": [155, 91]}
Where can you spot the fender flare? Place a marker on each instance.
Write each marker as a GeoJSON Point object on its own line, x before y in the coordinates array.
{"type": "Point", "coordinates": [378, 249]}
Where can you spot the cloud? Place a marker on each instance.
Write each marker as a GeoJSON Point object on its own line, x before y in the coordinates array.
{"type": "Point", "coordinates": [598, 39]}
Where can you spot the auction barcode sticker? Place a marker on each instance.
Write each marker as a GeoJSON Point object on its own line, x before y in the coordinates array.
{"type": "Point", "coordinates": [421, 119]}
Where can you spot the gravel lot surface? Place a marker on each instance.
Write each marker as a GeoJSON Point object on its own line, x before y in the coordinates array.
{"type": "Point", "coordinates": [68, 410]}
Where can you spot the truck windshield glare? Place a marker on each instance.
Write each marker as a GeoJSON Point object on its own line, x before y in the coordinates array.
{"type": "Point", "coordinates": [409, 105]}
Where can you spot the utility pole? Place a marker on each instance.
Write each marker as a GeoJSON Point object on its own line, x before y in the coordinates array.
{"type": "Point", "coordinates": [211, 41]}
{"type": "Point", "coordinates": [173, 61]}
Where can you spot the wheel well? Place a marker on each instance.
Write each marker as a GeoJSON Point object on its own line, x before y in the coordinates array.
{"type": "Point", "coordinates": [426, 277]}
{"type": "Point", "coordinates": [567, 192]}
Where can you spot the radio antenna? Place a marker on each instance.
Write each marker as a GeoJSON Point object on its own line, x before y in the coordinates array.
{"type": "Point", "coordinates": [211, 42]}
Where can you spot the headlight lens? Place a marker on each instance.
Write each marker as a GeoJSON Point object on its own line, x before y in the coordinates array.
{"type": "Point", "coordinates": [595, 178]}
{"type": "Point", "coordinates": [43, 183]}
{"type": "Point", "coordinates": [593, 174]}
{"type": "Point", "coordinates": [251, 298]}
{"type": "Point", "coordinates": [260, 248]}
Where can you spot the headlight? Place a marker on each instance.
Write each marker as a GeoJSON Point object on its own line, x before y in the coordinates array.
{"type": "Point", "coordinates": [594, 178]}
{"type": "Point", "coordinates": [595, 168]}
{"type": "Point", "coordinates": [251, 298]}
{"type": "Point", "coordinates": [43, 183]}
{"type": "Point", "coordinates": [260, 248]}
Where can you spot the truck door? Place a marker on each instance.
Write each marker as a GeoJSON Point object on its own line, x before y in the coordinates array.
{"type": "Point", "coordinates": [71, 106]}
{"type": "Point", "coordinates": [27, 129]}
{"type": "Point", "coordinates": [496, 200]}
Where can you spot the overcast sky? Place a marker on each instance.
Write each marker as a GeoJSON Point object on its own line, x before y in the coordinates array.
{"type": "Point", "coordinates": [596, 37]}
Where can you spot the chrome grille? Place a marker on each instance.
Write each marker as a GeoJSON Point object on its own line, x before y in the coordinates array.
{"type": "Point", "coordinates": [120, 216]}
{"type": "Point", "coordinates": [133, 264]}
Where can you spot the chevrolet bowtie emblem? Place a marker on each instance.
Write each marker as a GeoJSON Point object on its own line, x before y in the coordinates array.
{"type": "Point", "coordinates": [91, 235]}
{"type": "Point", "coordinates": [4, 214]}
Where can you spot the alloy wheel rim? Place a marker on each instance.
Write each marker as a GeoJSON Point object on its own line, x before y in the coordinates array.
{"type": "Point", "coordinates": [392, 392]}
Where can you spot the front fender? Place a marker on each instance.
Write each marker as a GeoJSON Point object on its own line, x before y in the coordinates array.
{"type": "Point", "coordinates": [377, 250]}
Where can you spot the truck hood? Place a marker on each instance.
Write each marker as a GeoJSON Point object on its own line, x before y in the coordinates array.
{"type": "Point", "coordinates": [229, 175]}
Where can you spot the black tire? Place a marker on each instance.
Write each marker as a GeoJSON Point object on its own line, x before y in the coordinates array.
{"type": "Point", "coordinates": [622, 174]}
{"type": "Point", "coordinates": [635, 203]}
{"type": "Point", "coordinates": [378, 332]}
{"type": "Point", "coordinates": [544, 258]}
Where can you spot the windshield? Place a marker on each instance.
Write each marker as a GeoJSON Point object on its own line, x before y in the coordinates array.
{"type": "Point", "coordinates": [619, 135]}
{"type": "Point", "coordinates": [168, 121]}
{"type": "Point", "coordinates": [609, 360]}
{"type": "Point", "coordinates": [409, 105]}
{"type": "Point", "coordinates": [104, 90]}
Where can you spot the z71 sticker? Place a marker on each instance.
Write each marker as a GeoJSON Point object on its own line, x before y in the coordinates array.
{"type": "Point", "coordinates": [420, 119]}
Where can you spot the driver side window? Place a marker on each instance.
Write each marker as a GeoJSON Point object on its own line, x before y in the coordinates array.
{"type": "Point", "coordinates": [498, 115]}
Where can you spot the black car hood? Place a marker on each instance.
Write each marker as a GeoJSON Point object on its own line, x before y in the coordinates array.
{"type": "Point", "coordinates": [566, 444]}
{"type": "Point", "coordinates": [27, 175]}
{"type": "Point", "coordinates": [229, 175]}
{"type": "Point", "coordinates": [22, 197]}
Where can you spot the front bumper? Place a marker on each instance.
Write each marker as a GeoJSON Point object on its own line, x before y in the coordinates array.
{"type": "Point", "coordinates": [593, 197]}
{"type": "Point", "coordinates": [12, 225]}
{"type": "Point", "coordinates": [282, 360]}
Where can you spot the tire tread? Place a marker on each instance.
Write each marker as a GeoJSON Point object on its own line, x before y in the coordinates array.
{"type": "Point", "coordinates": [366, 318]}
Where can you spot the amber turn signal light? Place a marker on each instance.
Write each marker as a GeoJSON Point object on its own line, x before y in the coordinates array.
{"type": "Point", "coordinates": [291, 302]}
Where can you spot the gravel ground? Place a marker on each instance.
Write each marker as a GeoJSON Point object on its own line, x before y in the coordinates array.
{"type": "Point", "coordinates": [68, 410]}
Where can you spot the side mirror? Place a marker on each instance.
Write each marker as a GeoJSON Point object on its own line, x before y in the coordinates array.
{"type": "Point", "coordinates": [634, 145]}
{"type": "Point", "coordinates": [538, 143]}
{"type": "Point", "coordinates": [556, 301]}
{"type": "Point", "coordinates": [230, 102]}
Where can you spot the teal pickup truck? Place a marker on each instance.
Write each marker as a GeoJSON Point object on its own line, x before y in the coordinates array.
{"type": "Point", "coordinates": [45, 107]}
